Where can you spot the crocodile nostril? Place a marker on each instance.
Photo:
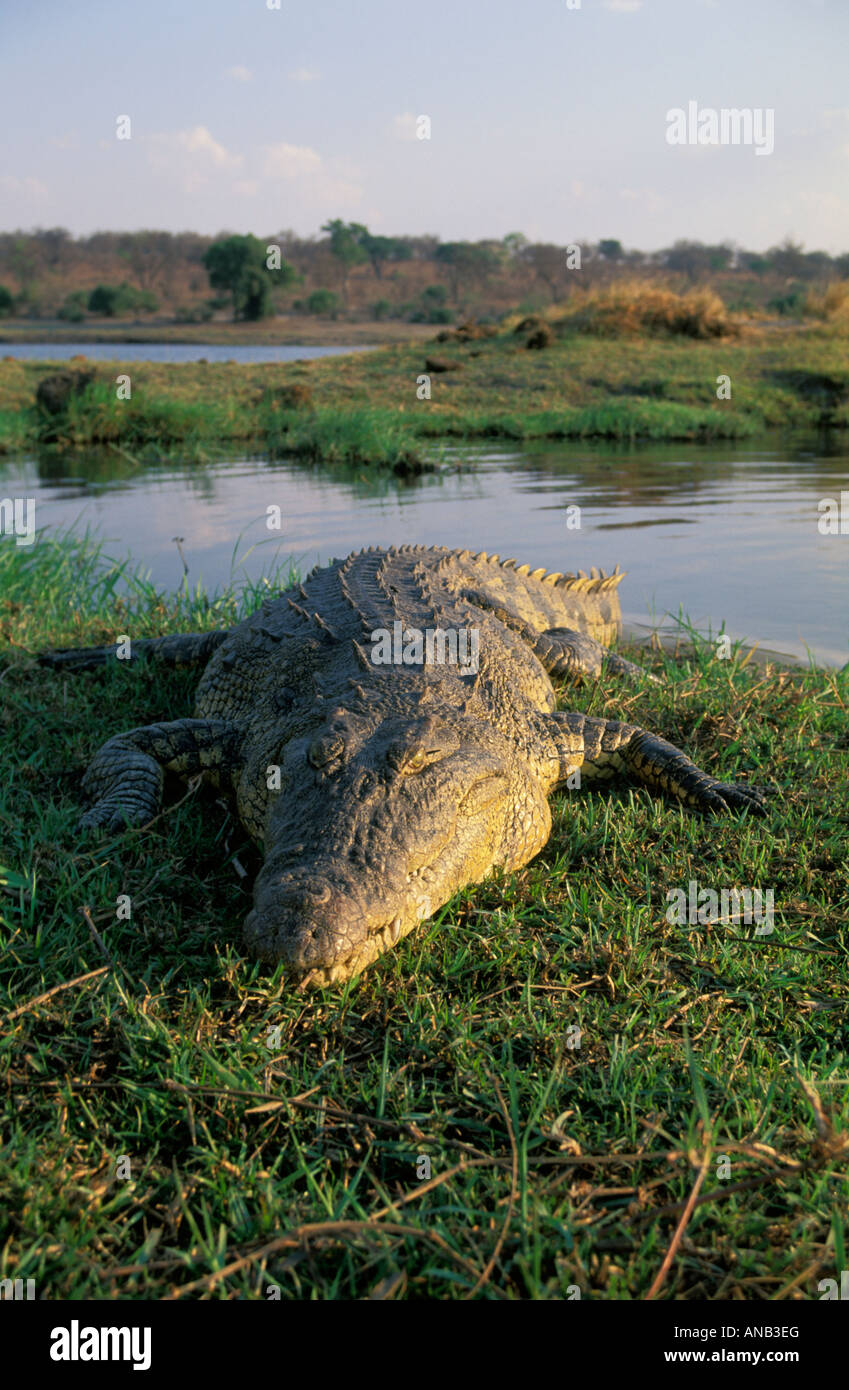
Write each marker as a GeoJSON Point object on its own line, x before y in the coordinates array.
{"type": "Point", "coordinates": [318, 895]}
{"type": "Point", "coordinates": [314, 894]}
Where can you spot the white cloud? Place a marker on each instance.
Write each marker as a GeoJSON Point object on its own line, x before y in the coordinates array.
{"type": "Point", "coordinates": [199, 141]}
{"type": "Point", "coordinates": [27, 187]}
{"type": "Point", "coordinates": [189, 156]}
{"type": "Point", "coordinates": [334, 187]}
{"type": "Point", "coordinates": [304, 75]}
{"type": "Point", "coordinates": [623, 6]}
{"type": "Point", "coordinates": [289, 161]}
{"type": "Point", "coordinates": [404, 126]}
{"type": "Point", "coordinates": [240, 73]}
{"type": "Point", "coordinates": [195, 162]}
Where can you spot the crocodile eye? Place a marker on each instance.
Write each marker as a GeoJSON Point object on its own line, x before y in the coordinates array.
{"type": "Point", "coordinates": [324, 750]}
{"type": "Point", "coordinates": [407, 758]}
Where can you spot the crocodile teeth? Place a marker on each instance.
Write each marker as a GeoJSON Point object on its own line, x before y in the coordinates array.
{"type": "Point", "coordinates": [394, 930]}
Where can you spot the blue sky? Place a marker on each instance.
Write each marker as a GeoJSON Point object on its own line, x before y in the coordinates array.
{"type": "Point", "coordinates": [545, 119]}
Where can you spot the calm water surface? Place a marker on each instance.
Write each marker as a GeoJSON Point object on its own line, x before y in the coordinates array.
{"type": "Point", "coordinates": [167, 352]}
{"type": "Point", "coordinates": [724, 533]}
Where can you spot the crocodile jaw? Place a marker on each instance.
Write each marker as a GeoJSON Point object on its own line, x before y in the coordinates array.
{"type": "Point", "coordinates": [325, 924]}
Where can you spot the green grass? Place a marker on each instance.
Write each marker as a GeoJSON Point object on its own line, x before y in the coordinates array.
{"type": "Point", "coordinates": [365, 408]}
{"type": "Point", "coordinates": [552, 1166]}
{"type": "Point", "coordinates": [368, 436]}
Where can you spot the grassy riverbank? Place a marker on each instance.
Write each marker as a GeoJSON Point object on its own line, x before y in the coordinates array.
{"type": "Point", "coordinates": [153, 1144]}
{"type": "Point", "coordinates": [364, 408]}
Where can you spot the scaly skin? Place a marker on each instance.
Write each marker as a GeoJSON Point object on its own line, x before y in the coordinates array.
{"type": "Point", "coordinates": [378, 790]}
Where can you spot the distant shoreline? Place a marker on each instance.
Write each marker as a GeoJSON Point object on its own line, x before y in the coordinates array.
{"type": "Point", "coordinates": [289, 331]}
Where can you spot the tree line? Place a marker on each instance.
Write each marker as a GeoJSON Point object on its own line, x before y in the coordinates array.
{"type": "Point", "coordinates": [346, 268]}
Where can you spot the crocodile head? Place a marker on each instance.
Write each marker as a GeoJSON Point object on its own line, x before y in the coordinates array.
{"type": "Point", "coordinates": [377, 825]}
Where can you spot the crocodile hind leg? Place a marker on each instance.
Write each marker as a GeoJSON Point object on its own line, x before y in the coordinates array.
{"type": "Point", "coordinates": [183, 649]}
{"type": "Point", "coordinates": [603, 748]}
{"type": "Point", "coordinates": [563, 651]}
{"type": "Point", "coordinates": [124, 779]}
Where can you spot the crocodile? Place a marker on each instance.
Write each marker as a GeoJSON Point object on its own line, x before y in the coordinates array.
{"type": "Point", "coordinates": [388, 729]}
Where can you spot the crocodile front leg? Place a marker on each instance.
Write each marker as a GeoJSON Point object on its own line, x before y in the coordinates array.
{"type": "Point", "coordinates": [125, 777]}
{"type": "Point", "coordinates": [602, 748]}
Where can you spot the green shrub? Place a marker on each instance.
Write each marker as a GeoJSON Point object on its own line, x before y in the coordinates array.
{"type": "Point", "coordinates": [7, 302]}
{"type": "Point", "coordinates": [73, 307]}
{"type": "Point", "coordinates": [30, 302]}
{"type": "Point", "coordinates": [323, 302]}
{"type": "Point", "coordinates": [194, 313]}
{"type": "Point", "coordinates": [112, 301]}
{"type": "Point", "coordinates": [790, 304]}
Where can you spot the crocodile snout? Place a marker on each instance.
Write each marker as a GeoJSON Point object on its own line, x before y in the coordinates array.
{"type": "Point", "coordinates": [308, 924]}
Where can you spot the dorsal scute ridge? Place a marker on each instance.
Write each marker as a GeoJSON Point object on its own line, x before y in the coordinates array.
{"type": "Point", "coordinates": [596, 582]}
{"type": "Point", "coordinates": [603, 583]}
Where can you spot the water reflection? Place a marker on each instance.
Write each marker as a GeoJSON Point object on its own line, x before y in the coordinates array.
{"type": "Point", "coordinates": [723, 531]}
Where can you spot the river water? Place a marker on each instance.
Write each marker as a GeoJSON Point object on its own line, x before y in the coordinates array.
{"type": "Point", "coordinates": [723, 533]}
{"type": "Point", "coordinates": [167, 352]}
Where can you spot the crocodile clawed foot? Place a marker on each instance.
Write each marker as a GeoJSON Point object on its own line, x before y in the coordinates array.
{"type": "Point", "coordinates": [736, 796]}
{"type": "Point", "coordinates": [620, 666]}
{"type": "Point", "coordinates": [108, 816]}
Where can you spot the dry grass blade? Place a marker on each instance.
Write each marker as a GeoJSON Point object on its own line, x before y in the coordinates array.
{"type": "Point", "coordinates": [319, 1230]}
{"type": "Point", "coordinates": [514, 1185]}
{"type": "Point", "coordinates": [57, 989]}
{"type": "Point", "coordinates": [660, 1278]}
